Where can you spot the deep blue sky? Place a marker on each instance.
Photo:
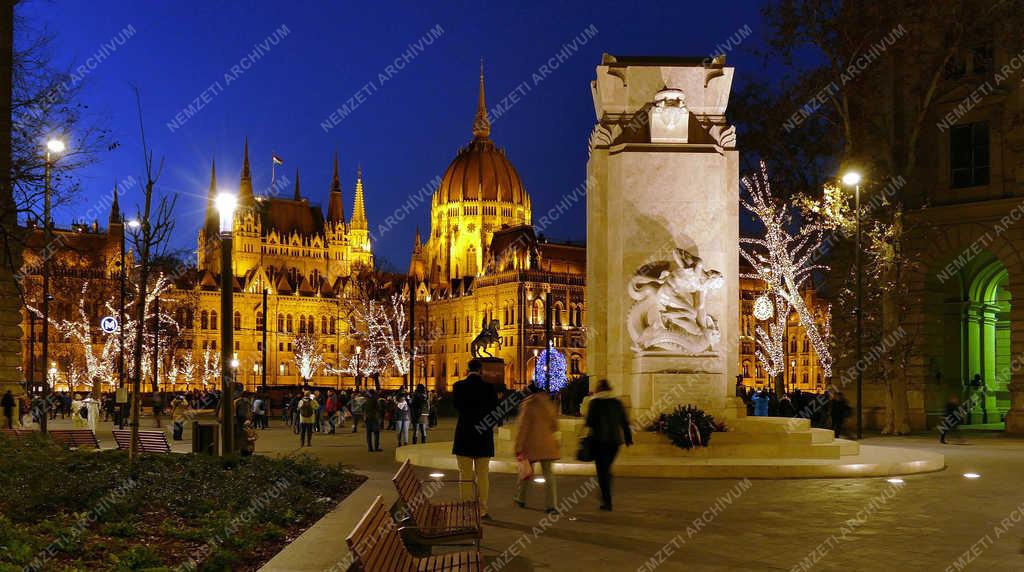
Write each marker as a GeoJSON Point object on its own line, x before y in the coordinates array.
{"type": "Point", "coordinates": [404, 134]}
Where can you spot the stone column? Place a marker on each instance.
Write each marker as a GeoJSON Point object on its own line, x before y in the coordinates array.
{"type": "Point", "coordinates": [662, 234]}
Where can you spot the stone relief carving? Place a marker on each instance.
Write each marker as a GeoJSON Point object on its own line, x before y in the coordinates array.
{"type": "Point", "coordinates": [603, 135]}
{"type": "Point", "coordinates": [669, 117]}
{"type": "Point", "coordinates": [669, 310]}
{"type": "Point", "coordinates": [725, 135]}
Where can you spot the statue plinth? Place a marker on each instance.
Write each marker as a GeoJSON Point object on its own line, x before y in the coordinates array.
{"type": "Point", "coordinates": [660, 382]}
{"type": "Point", "coordinates": [492, 370]}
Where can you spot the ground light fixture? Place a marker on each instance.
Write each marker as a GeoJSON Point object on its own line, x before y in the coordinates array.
{"type": "Point", "coordinates": [971, 476]}
{"type": "Point", "coordinates": [538, 480]}
{"type": "Point", "coordinates": [895, 481]}
{"type": "Point", "coordinates": [436, 475]}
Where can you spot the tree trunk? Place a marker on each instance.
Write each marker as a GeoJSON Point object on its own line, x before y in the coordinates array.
{"type": "Point", "coordinates": [896, 415]}
{"type": "Point", "coordinates": [11, 376]}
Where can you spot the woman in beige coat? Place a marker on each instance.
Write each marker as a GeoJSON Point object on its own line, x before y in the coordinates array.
{"type": "Point", "coordinates": [535, 442]}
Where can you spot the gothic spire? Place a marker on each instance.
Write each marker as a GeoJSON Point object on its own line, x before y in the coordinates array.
{"type": "Point", "coordinates": [115, 211]}
{"type": "Point", "coordinates": [298, 196]}
{"type": "Point", "coordinates": [358, 209]}
{"type": "Point", "coordinates": [418, 242]}
{"type": "Point", "coordinates": [245, 196]}
{"type": "Point", "coordinates": [335, 207]}
{"type": "Point", "coordinates": [481, 124]}
{"type": "Point", "coordinates": [212, 218]}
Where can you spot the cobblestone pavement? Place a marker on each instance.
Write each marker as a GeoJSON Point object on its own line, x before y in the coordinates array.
{"type": "Point", "coordinates": [939, 521]}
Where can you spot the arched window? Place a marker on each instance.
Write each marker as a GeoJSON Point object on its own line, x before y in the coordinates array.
{"type": "Point", "coordinates": [259, 321]}
{"type": "Point", "coordinates": [579, 316]}
{"type": "Point", "coordinates": [323, 324]}
{"type": "Point", "coordinates": [334, 325]}
{"type": "Point", "coordinates": [288, 323]}
{"type": "Point", "coordinates": [746, 369]}
{"type": "Point", "coordinates": [204, 320]}
{"type": "Point", "coordinates": [213, 320]}
{"type": "Point", "coordinates": [792, 345]}
{"type": "Point", "coordinates": [537, 316]}
{"type": "Point", "coordinates": [302, 324]}
{"type": "Point", "coordinates": [280, 322]}
{"type": "Point", "coordinates": [238, 321]}
{"type": "Point", "coordinates": [557, 318]}
{"type": "Point", "coordinates": [310, 325]}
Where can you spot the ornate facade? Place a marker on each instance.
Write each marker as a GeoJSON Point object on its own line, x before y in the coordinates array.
{"type": "Point", "coordinates": [482, 262]}
{"type": "Point", "coordinates": [305, 262]}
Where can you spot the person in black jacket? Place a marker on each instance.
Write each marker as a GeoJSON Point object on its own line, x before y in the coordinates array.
{"type": "Point", "coordinates": [476, 402]}
{"type": "Point", "coordinates": [609, 429]}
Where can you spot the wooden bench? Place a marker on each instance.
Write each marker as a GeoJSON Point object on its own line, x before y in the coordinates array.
{"type": "Point", "coordinates": [149, 441]}
{"type": "Point", "coordinates": [17, 433]}
{"type": "Point", "coordinates": [75, 438]}
{"type": "Point", "coordinates": [430, 523]}
{"type": "Point", "coordinates": [378, 547]}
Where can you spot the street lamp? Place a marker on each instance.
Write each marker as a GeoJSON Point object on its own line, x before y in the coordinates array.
{"type": "Point", "coordinates": [54, 147]}
{"type": "Point", "coordinates": [226, 203]}
{"type": "Point", "coordinates": [134, 225]}
{"type": "Point", "coordinates": [852, 179]}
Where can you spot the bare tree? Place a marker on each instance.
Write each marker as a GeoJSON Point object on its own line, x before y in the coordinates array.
{"type": "Point", "coordinates": [150, 242]}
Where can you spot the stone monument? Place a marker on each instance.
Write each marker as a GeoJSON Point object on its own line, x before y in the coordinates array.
{"type": "Point", "coordinates": [663, 234]}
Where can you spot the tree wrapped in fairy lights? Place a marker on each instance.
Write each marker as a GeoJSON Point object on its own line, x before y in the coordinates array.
{"type": "Point", "coordinates": [550, 360]}
{"type": "Point", "coordinates": [784, 258]}
{"type": "Point", "coordinates": [309, 356]}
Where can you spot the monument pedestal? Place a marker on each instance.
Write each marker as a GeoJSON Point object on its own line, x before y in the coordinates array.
{"type": "Point", "coordinates": [659, 383]}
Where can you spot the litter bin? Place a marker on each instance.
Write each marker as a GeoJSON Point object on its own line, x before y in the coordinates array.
{"type": "Point", "coordinates": [204, 438]}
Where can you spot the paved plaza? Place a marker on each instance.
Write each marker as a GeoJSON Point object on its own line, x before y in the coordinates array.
{"type": "Point", "coordinates": [938, 521]}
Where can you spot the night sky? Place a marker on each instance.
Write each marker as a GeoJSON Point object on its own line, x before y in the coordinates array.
{"type": "Point", "coordinates": [404, 131]}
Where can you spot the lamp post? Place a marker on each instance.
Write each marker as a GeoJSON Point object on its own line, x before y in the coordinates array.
{"type": "Point", "coordinates": [134, 225]}
{"type": "Point", "coordinates": [226, 204]}
{"type": "Point", "coordinates": [54, 147]}
{"type": "Point", "coordinates": [852, 179]}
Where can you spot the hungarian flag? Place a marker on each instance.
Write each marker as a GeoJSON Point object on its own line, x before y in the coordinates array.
{"type": "Point", "coordinates": [277, 160]}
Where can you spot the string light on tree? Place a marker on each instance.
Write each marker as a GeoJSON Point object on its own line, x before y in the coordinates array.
{"type": "Point", "coordinates": [784, 260]}
{"type": "Point", "coordinates": [553, 360]}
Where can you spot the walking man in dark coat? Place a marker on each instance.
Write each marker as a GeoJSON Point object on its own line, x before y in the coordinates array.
{"type": "Point", "coordinates": [8, 404]}
{"type": "Point", "coordinates": [476, 402]}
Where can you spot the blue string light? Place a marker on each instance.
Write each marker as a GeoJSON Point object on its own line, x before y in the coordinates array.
{"type": "Point", "coordinates": [557, 366]}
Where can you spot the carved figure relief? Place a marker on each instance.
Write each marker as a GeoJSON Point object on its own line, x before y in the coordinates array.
{"type": "Point", "coordinates": [669, 310]}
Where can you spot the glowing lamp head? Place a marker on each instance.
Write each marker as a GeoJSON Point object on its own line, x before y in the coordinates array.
{"type": "Point", "coordinates": [226, 204]}
{"type": "Point", "coordinates": [851, 179]}
{"type": "Point", "coordinates": [134, 224]}
{"type": "Point", "coordinates": [55, 146]}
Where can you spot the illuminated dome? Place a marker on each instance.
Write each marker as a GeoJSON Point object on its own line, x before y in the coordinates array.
{"type": "Point", "coordinates": [481, 172]}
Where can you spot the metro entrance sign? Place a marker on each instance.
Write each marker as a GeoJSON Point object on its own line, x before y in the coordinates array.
{"type": "Point", "coordinates": [108, 324]}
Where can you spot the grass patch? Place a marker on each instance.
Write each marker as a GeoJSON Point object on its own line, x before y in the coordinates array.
{"type": "Point", "coordinates": [70, 510]}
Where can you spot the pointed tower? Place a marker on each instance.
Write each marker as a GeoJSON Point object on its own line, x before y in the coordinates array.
{"type": "Point", "coordinates": [298, 196]}
{"type": "Point", "coordinates": [207, 254]}
{"type": "Point", "coordinates": [481, 124]}
{"type": "Point", "coordinates": [212, 223]}
{"type": "Point", "coordinates": [115, 211]}
{"type": "Point", "coordinates": [336, 208]}
{"type": "Point", "coordinates": [245, 196]}
{"type": "Point", "coordinates": [358, 209]}
{"type": "Point", "coordinates": [359, 229]}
